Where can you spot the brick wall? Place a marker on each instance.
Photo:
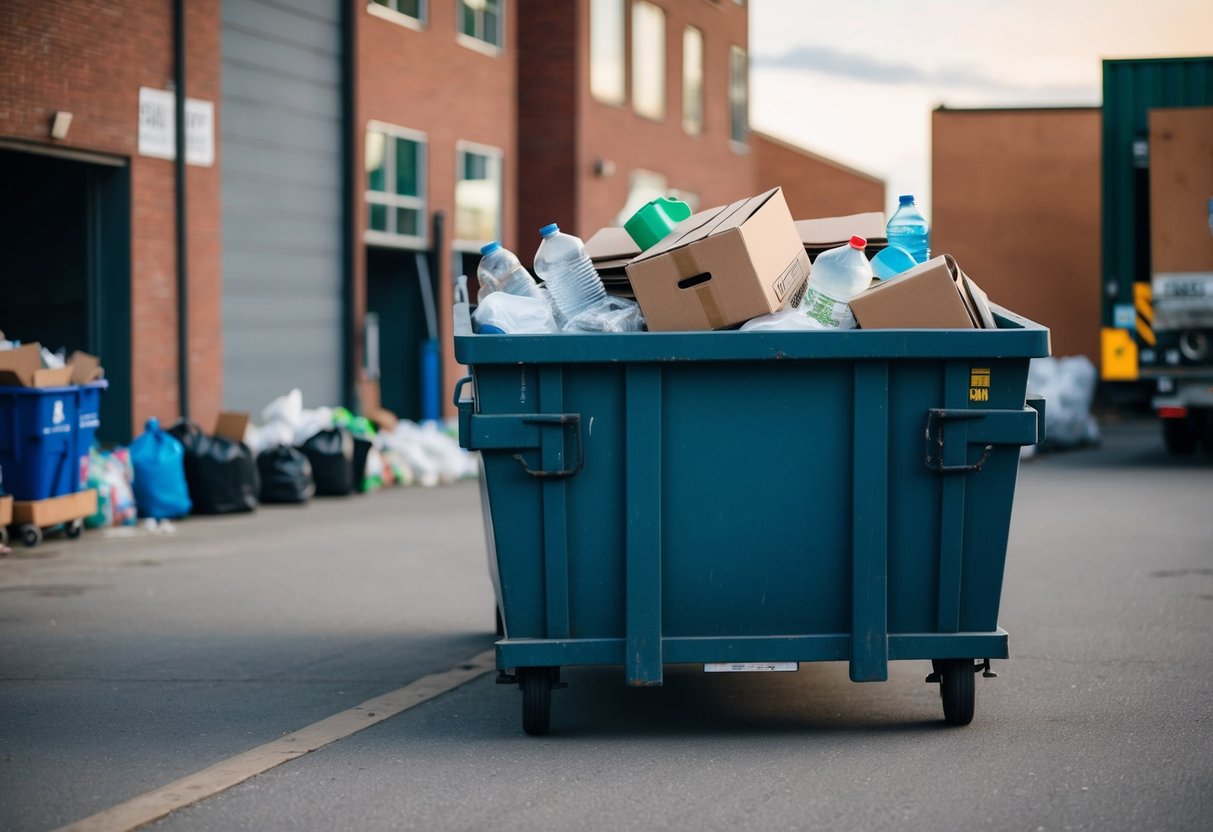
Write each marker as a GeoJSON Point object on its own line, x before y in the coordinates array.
{"type": "Point", "coordinates": [427, 80]}
{"type": "Point", "coordinates": [91, 59]}
{"type": "Point", "coordinates": [1015, 197]}
{"type": "Point", "coordinates": [813, 185]}
{"type": "Point", "coordinates": [709, 165]}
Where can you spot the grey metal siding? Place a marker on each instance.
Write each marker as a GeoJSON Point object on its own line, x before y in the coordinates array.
{"type": "Point", "coordinates": [282, 212]}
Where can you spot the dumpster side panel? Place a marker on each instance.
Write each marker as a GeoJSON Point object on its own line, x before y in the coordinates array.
{"type": "Point", "coordinates": [757, 488]}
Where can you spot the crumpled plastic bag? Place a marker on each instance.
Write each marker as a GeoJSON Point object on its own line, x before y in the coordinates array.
{"type": "Point", "coordinates": [286, 409]}
{"type": "Point", "coordinates": [502, 313]}
{"type": "Point", "coordinates": [783, 320]}
{"type": "Point", "coordinates": [615, 314]}
{"type": "Point", "coordinates": [1068, 387]}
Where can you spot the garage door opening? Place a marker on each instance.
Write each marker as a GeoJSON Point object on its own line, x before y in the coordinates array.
{"type": "Point", "coordinates": [65, 269]}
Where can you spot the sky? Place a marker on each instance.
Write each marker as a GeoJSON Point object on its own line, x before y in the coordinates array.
{"type": "Point", "coordinates": [857, 81]}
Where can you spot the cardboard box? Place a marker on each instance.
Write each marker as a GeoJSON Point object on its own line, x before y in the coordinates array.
{"type": "Point", "coordinates": [721, 267]}
{"type": "Point", "coordinates": [54, 510]}
{"type": "Point", "coordinates": [932, 295]}
{"type": "Point", "coordinates": [6, 510]}
{"type": "Point", "coordinates": [22, 367]}
{"type": "Point", "coordinates": [85, 368]}
{"type": "Point", "coordinates": [232, 425]}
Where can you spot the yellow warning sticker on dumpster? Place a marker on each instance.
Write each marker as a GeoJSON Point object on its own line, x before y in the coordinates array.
{"type": "Point", "coordinates": [979, 384]}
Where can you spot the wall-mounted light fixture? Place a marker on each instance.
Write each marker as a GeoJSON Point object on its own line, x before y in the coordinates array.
{"type": "Point", "coordinates": [61, 122]}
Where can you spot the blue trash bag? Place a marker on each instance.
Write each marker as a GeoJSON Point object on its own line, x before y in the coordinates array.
{"type": "Point", "coordinates": [159, 463]}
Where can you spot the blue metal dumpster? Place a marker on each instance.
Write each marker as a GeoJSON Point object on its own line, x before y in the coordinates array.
{"type": "Point", "coordinates": [746, 497]}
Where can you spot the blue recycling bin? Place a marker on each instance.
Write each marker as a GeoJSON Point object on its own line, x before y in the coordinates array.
{"type": "Point", "coordinates": [749, 497]}
{"type": "Point", "coordinates": [45, 434]}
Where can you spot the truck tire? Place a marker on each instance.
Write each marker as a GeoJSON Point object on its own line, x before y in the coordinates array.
{"type": "Point", "coordinates": [1180, 437]}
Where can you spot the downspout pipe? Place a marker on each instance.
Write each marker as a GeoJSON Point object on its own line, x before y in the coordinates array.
{"type": "Point", "coordinates": [183, 304]}
{"type": "Point", "coordinates": [349, 196]}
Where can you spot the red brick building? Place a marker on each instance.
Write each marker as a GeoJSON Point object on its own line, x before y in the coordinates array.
{"type": "Point", "coordinates": [353, 159]}
{"type": "Point", "coordinates": [1015, 197]}
{"type": "Point", "coordinates": [87, 224]}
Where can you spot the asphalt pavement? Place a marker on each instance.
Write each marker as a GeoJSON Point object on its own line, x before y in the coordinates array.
{"type": "Point", "coordinates": [129, 662]}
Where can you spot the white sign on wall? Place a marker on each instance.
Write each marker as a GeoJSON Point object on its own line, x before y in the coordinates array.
{"type": "Point", "coordinates": [158, 133]}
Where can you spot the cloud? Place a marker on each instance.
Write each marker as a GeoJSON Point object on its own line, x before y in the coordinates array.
{"type": "Point", "coordinates": [951, 77]}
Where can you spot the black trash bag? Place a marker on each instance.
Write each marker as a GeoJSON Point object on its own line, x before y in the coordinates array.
{"type": "Point", "coordinates": [221, 474]}
{"type": "Point", "coordinates": [362, 449]}
{"type": "Point", "coordinates": [331, 453]}
{"type": "Point", "coordinates": [286, 475]}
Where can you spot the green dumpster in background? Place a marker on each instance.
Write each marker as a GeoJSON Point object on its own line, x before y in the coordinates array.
{"type": "Point", "coordinates": [749, 497]}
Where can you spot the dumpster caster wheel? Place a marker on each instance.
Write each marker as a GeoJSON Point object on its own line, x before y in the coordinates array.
{"type": "Point", "coordinates": [31, 535]}
{"type": "Point", "coordinates": [536, 684]}
{"type": "Point", "coordinates": [3, 536]}
{"type": "Point", "coordinates": [958, 690]}
{"type": "Point", "coordinates": [74, 529]}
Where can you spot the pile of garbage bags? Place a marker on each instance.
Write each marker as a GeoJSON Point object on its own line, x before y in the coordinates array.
{"type": "Point", "coordinates": [1068, 387]}
{"type": "Point", "coordinates": [295, 454]}
{"type": "Point", "coordinates": [408, 454]}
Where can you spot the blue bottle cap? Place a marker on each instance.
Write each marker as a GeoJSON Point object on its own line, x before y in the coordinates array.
{"type": "Point", "coordinates": [490, 248]}
{"type": "Point", "coordinates": [549, 230]}
{"type": "Point", "coordinates": [906, 199]}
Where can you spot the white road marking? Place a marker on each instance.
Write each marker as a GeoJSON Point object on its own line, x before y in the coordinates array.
{"type": "Point", "coordinates": [210, 781]}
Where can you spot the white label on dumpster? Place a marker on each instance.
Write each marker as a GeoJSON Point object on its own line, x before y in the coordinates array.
{"type": "Point", "coordinates": [749, 667]}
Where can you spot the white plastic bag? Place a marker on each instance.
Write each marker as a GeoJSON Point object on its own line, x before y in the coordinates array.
{"type": "Point", "coordinates": [284, 409]}
{"type": "Point", "coordinates": [501, 312]}
{"type": "Point", "coordinates": [783, 320]}
{"type": "Point", "coordinates": [615, 314]}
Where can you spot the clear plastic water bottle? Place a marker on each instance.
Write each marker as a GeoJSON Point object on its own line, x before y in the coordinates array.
{"type": "Point", "coordinates": [838, 275]}
{"type": "Point", "coordinates": [908, 229]}
{"type": "Point", "coordinates": [501, 271]}
{"type": "Point", "coordinates": [566, 270]}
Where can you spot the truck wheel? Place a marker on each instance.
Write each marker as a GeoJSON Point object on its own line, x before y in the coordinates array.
{"type": "Point", "coordinates": [1179, 436]}
{"type": "Point", "coordinates": [958, 689]}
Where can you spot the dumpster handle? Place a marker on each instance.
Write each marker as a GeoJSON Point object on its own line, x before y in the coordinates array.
{"type": "Point", "coordinates": [459, 389]}
{"type": "Point", "coordinates": [570, 422]}
{"type": "Point", "coordinates": [936, 463]}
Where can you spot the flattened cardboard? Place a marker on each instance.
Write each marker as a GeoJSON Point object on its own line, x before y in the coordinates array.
{"type": "Point", "coordinates": [928, 296]}
{"type": "Point", "coordinates": [609, 244]}
{"type": "Point", "coordinates": [828, 232]}
{"type": "Point", "coordinates": [232, 425]}
{"type": "Point", "coordinates": [6, 510]}
{"type": "Point", "coordinates": [721, 267]}
{"type": "Point", "coordinates": [55, 510]}
{"type": "Point", "coordinates": [85, 367]}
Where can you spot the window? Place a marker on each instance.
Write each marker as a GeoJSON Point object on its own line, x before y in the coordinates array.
{"type": "Point", "coordinates": [692, 81]}
{"type": "Point", "coordinates": [643, 187]}
{"type": "Point", "coordinates": [408, 12]}
{"type": "Point", "coordinates": [648, 60]}
{"type": "Point", "coordinates": [395, 186]}
{"type": "Point", "coordinates": [481, 22]}
{"type": "Point", "coordinates": [606, 51]}
{"type": "Point", "coordinates": [738, 97]}
{"type": "Point", "coordinates": [479, 195]}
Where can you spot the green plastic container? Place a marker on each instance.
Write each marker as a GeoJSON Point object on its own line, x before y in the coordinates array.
{"type": "Point", "coordinates": [708, 497]}
{"type": "Point", "coordinates": [648, 226]}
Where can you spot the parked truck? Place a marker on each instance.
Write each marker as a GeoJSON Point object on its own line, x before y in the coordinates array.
{"type": "Point", "coordinates": [1157, 231]}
